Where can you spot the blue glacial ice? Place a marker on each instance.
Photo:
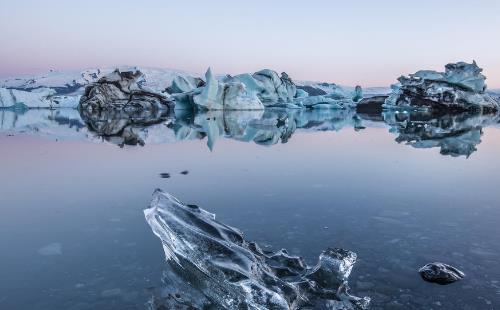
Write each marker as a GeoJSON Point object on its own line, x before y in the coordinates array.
{"type": "Point", "coordinates": [211, 266]}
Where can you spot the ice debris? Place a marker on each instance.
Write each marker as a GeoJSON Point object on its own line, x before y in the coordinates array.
{"type": "Point", "coordinates": [440, 273]}
{"type": "Point", "coordinates": [211, 265]}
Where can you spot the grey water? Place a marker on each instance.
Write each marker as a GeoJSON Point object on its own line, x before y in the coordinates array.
{"type": "Point", "coordinates": [399, 189]}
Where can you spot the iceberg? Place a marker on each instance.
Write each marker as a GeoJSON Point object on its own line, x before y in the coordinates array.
{"type": "Point", "coordinates": [37, 98]}
{"type": "Point", "coordinates": [211, 266]}
{"type": "Point", "coordinates": [460, 88]}
{"type": "Point", "coordinates": [122, 90]}
{"type": "Point", "coordinates": [229, 95]}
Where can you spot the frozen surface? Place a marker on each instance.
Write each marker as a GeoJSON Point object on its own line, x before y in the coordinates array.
{"type": "Point", "coordinates": [211, 265]}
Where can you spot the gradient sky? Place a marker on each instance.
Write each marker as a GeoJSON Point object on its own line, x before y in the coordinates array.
{"type": "Point", "coordinates": [348, 42]}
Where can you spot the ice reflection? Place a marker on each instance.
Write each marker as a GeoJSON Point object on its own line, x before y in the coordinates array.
{"type": "Point", "coordinates": [453, 134]}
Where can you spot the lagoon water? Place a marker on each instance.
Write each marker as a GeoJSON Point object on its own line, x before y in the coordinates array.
{"type": "Point", "coordinates": [400, 191]}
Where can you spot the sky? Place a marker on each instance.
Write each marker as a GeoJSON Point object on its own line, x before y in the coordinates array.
{"type": "Point", "coordinates": [348, 42]}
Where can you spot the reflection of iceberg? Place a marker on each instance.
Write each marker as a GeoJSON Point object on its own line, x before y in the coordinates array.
{"type": "Point", "coordinates": [211, 266]}
{"type": "Point", "coordinates": [267, 127]}
{"type": "Point", "coordinates": [455, 135]}
{"type": "Point", "coordinates": [59, 124]}
{"type": "Point", "coordinates": [121, 127]}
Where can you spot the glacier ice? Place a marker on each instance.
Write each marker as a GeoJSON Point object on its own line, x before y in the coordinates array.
{"type": "Point", "coordinates": [461, 87]}
{"type": "Point", "coordinates": [211, 266]}
{"type": "Point", "coordinates": [230, 95]}
{"type": "Point", "coordinates": [122, 90]}
{"type": "Point", "coordinates": [36, 98]}
{"type": "Point", "coordinates": [183, 84]}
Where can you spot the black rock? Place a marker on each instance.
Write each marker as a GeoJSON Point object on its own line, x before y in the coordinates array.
{"type": "Point", "coordinates": [185, 172]}
{"type": "Point", "coordinates": [164, 175]}
{"type": "Point", "coordinates": [440, 273]}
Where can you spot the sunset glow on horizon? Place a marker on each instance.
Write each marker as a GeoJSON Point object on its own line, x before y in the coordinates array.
{"type": "Point", "coordinates": [347, 42]}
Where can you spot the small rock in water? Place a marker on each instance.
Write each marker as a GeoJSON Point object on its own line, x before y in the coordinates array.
{"type": "Point", "coordinates": [165, 175]}
{"type": "Point", "coordinates": [440, 273]}
{"type": "Point", "coordinates": [51, 249]}
{"type": "Point", "coordinates": [185, 172]}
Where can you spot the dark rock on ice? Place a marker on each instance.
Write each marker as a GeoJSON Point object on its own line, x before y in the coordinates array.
{"type": "Point", "coordinates": [440, 273]}
{"type": "Point", "coordinates": [184, 172]}
{"type": "Point", "coordinates": [461, 87]}
{"type": "Point", "coordinates": [164, 175]}
{"type": "Point", "coordinates": [211, 266]}
{"type": "Point", "coordinates": [121, 90]}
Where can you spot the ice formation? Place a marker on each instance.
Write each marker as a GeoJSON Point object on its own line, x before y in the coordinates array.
{"type": "Point", "coordinates": [183, 84]}
{"type": "Point", "coordinates": [256, 91]}
{"type": "Point", "coordinates": [229, 95]}
{"type": "Point", "coordinates": [36, 98]}
{"type": "Point", "coordinates": [64, 88]}
{"type": "Point", "coordinates": [440, 273]}
{"type": "Point", "coordinates": [461, 87]}
{"type": "Point", "coordinates": [121, 90]}
{"type": "Point", "coordinates": [211, 266]}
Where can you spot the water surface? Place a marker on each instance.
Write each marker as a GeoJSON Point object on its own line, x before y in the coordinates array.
{"type": "Point", "coordinates": [399, 190]}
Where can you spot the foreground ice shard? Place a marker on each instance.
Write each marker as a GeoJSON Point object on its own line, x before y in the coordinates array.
{"type": "Point", "coordinates": [211, 266]}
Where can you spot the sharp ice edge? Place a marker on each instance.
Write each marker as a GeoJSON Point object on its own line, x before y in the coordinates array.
{"type": "Point", "coordinates": [210, 264]}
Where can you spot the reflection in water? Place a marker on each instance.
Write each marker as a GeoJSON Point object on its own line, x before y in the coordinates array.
{"type": "Point", "coordinates": [455, 134]}
{"type": "Point", "coordinates": [211, 266]}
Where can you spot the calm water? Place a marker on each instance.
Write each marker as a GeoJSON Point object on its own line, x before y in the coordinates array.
{"type": "Point", "coordinates": [73, 233]}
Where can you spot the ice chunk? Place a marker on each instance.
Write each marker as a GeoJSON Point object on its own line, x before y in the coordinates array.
{"type": "Point", "coordinates": [183, 84]}
{"type": "Point", "coordinates": [211, 97]}
{"type": "Point", "coordinates": [460, 87]}
{"type": "Point", "coordinates": [36, 98]}
{"type": "Point", "coordinates": [211, 265]}
{"type": "Point", "coordinates": [440, 273]}
{"type": "Point", "coordinates": [301, 93]}
{"type": "Point", "coordinates": [232, 95]}
{"type": "Point", "coordinates": [122, 90]}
